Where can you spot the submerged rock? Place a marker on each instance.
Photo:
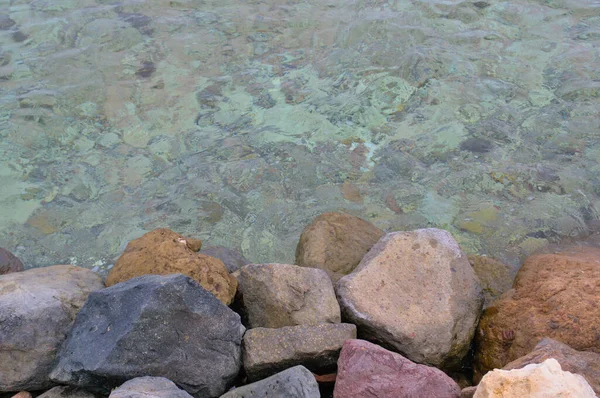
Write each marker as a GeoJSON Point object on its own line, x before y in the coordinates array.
{"type": "Point", "coordinates": [165, 326]}
{"type": "Point", "coordinates": [164, 252]}
{"type": "Point", "coordinates": [9, 262]}
{"type": "Point", "coordinates": [37, 309]}
{"type": "Point", "coordinates": [232, 259]}
{"type": "Point", "coordinates": [296, 382]}
{"type": "Point", "coordinates": [416, 293]}
{"type": "Point", "coordinates": [366, 370]}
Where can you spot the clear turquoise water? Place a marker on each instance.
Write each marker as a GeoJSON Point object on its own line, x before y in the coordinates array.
{"type": "Point", "coordinates": [237, 122]}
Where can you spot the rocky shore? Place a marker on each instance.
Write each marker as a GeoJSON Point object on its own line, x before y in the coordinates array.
{"type": "Point", "coordinates": [362, 313]}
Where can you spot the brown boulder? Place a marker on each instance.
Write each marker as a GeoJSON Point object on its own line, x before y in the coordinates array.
{"type": "Point", "coordinates": [335, 243]}
{"type": "Point", "coordinates": [9, 262]}
{"type": "Point", "coordinates": [554, 295]}
{"type": "Point", "coordinates": [494, 276]}
{"type": "Point", "coordinates": [366, 370]}
{"type": "Point", "coordinates": [165, 252]}
{"type": "Point", "coordinates": [584, 363]}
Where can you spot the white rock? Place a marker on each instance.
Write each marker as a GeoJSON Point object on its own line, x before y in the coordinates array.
{"type": "Point", "coordinates": [544, 380]}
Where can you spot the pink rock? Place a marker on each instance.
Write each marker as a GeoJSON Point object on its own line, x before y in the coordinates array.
{"type": "Point", "coordinates": [366, 370]}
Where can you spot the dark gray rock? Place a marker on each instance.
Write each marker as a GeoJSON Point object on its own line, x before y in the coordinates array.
{"type": "Point", "coordinates": [9, 262]}
{"type": "Point", "coordinates": [296, 382]}
{"type": "Point", "coordinates": [149, 387]}
{"type": "Point", "coordinates": [268, 351]}
{"type": "Point", "coordinates": [37, 309]}
{"type": "Point", "coordinates": [167, 326]}
{"type": "Point", "coordinates": [67, 392]}
{"type": "Point", "coordinates": [231, 258]}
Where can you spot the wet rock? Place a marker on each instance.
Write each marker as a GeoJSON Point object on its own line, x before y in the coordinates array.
{"type": "Point", "coordinates": [476, 145]}
{"type": "Point", "coordinates": [584, 363]}
{"type": "Point", "coordinates": [545, 380]}
{"type": "Point", "coordinates": [335, 243]}
{"type": "Point", "coordinates": [368, 370]}
{"type": "Point", "coordinates": [67, 392]}
{"type": "Point", "coordinates": [553, 295]}
{"type": "Point", "coordinates": [268, 351]}
{"type": "Point", "coordinates": [277, 295]}
{"type": "Point", "coordinates": [494, 276]}
{"type": "Point", "coordinates": [416, 293]}
{"type": "Point", "coordinates": [37, 309]}
{"type": "Point", "coordinates": [296, 382]}
{"type": "Point", "coordinates": [153, 325]}
{"type": "Point", "coordinates": [149, 387]}
{"type": "Point", "coordinates": [164, 252]}
{"type": "Point", "coordinates": [9, 262]}
{"type": "Point", "coordinates": [232, 259]}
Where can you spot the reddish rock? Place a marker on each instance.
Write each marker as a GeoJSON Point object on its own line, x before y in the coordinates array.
{"type": "Point", "coordinates": [165, 252]}
{"type": "Point", "coordinates": [584, 363]}
{"type": "Point", "coordinates": [9, 262]}
{"type": "Point", "coordinates": [554, 295]}
{"type": "Point", "coordinates": [366, 370]}
{"type": "Point", "coordinates": [335, 243]}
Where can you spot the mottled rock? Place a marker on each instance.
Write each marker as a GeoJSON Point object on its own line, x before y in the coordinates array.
{"type": "Point", "coordinates": [545, 380]}
{"type": "Point", "coordinates": [37, 309]}
{"type": "Point", "coordinates": [296, 382]}
{"type": "Point", "coordinates": [232, 259]}
{"type": "Point", "coordinates": [367, 370]}
{"type": "Point", "coordinates": [494, 276]}
{"type": "Point", "coordinates": [335, 243]}
{"type": "Point", "coordinates": [553, 295]}
{"type": "Point", "coordinates": [415, 293]}
{"type": "Point", "coordinates": [164, 326]}
{"type": "Point", "coordinates": [67, 392]}
{"type": "Point", "coordinates": [317, 347]}
{"type": "Point", "coordinates": [165, 252]}
{"type": "Point", "coordinates": [468, 392]}
{"type": "Point", "coordinates": [584, 363]}
{"type": "Point", "coordinates": [149, 387]}
{"type": "Point", "coordinates": [277, 295]}
{"type": "Point", "coordinates": [9, 262]}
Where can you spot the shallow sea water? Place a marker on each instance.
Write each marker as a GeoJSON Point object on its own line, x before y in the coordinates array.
{"type": "Point", "coordinates": [237, 122]}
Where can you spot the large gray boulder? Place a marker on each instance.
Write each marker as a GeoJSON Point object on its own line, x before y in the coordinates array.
{"type": "Point", "coordinates": [149, 387]}
{"type": "Point", "coordinates": [166, 326]}
{"type": "Point", "coordinates": [277, 295]}
{"type": "Point", "coordinates": [296, 382]}
{"type": "Point", "coordinates": [415, 293]}
{"type": "Point", "coordinates": [317, 347]}
{"type": "Point", "coordinates": [37, 309]}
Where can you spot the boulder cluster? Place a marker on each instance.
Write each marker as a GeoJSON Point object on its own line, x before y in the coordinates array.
{"type": "Point", "coordinates": [362, 313]}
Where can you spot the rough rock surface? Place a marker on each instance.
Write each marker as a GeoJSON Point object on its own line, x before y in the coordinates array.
{"type": "Point", "coordinates": [9, 262]}
{"type": "Point", "coordinates": [494, 276]}
{"type": "Point", "coordinates": [277, 295]}
{"type": "Point", "coordinates": [584, 363]}
{"type": "Point", "coordinates": [149, 387]}
{"type": "Point", "coordinates": [165, 326]}
{"type": "Point", "coordinates": [468, 392]}
{"type": "Point", "coordinates": [296, 382]}
{"type": "Point", "coordinates": [545, 380]}
{"type": "Point", "coordinates": [37, 309]}
{"type": "Point", "coordinates": [232, 259]}
{"type": "Point", "coordinates": [66, 392]}
{"type": "Point", "coordinates": [367, 370]}
{"type": "Point", "coordinates": [416, 293]}
{"type": "Point", "coordinates": [335, 243]}
{"type": "Point", "coordinates": [165, 252]}
{"type": "Point", "coordinates": [555, 296]}
{"type": "Point", "coordinates": [317, 347]}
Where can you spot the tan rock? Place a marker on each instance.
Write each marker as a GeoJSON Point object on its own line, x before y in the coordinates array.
{"type": "Point", "coordinates": [494, 276]}
{"type": "Point", "coordinates": [415, 292]}
{"type": "Point", "coordinates": [335, 243]}
{"type": "Point", "coordinates": [164, 252]}
{"type": "Point", "coordinates": [22, 394]}
{"type": "Point", "coordinates": [553, 295]}
{"type": "Point", "coordinates": [584, 363]}
{"type": "Point", "coordinates": [545, 380]}
{"type": "Point", "coordinates": [278, 295]}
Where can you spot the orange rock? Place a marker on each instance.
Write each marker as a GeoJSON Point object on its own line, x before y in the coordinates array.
{"type": "Point", "coordinates": [555, 296]}
{"type": "Point", "coordinates": [164, 252]}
